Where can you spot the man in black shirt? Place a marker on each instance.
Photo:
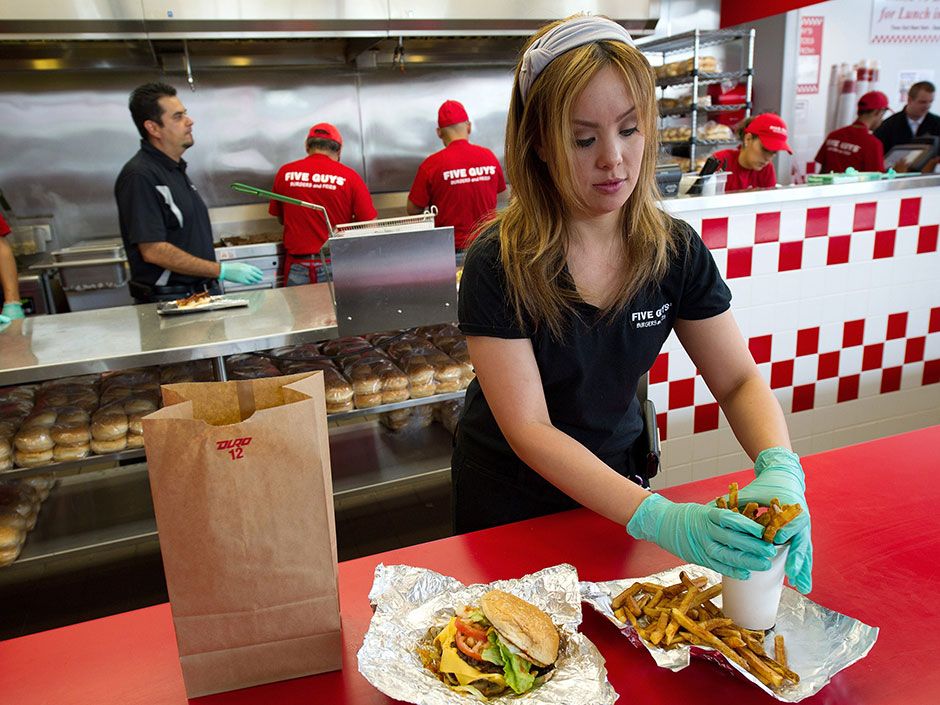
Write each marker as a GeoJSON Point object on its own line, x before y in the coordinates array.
{"type": "Point", "coordinates": [164, 222]}
{"type": "Point", "coordinates": [915, 120]}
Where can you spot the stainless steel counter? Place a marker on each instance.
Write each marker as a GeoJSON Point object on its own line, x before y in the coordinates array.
{"type": "Point", "coordinates": [45, 347]}
{"type": "Point", "coordinates": [789, 194]}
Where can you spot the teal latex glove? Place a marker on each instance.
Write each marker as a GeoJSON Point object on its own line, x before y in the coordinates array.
{"type": "Point", "coordinates": [4, 321]}
{"type": "Point", "coordinates": [240, 273]}
{"type": "Point", "coordinates": [13, 310]}
{"type": "Point", "coordinates": [715, 538]}
{"type": "Point", "coordinates": [780, 475]}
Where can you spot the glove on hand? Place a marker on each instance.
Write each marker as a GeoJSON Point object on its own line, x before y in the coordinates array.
{"type": "Point", "coordinates": [715, 538]}
{"type": "Point", "coordinates": [13, 310]}
{"type": "Point", "coordinates": [4, 321]}
{"type": "Point", "coordinates": [240, 273]}
{"type": "Point", "coordinates": [780, 475]}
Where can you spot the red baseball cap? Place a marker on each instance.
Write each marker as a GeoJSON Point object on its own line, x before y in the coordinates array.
{"type": "Point", "coordinates": [772, 131]}
{"type": "Point", "coordinates": [325, 131]}
{"type": "Point", "coordinates": [873, 100]}
{"type": "Point", "coordinates": [450, 113]}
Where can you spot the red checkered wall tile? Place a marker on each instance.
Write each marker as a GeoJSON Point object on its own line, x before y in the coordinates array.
{"type": "Point", "coordinates": [659, 372]}
{"type": "Point", "coordinates": [781, 374]}
{"type": "Point", "coordinates": [853, 332]}
{"type": "Point", "coordinates": [884, 244]}
{"type": "Point", "coordinates": [934, 325]}
{"type": "Point", "coordinates": [662, 423]}
{"type": "Point", "coordinates": [838, 249]}
{"type": "Point", "coordinates": [760, 348]}
{"type": "Point", "coordinates": [803, 396]}
{"type": "Point", "coordinates": [817, 222]}
{"type": "Point", "coordinates": [931, 372]}
{"type": "Point", "coordinates": [897, 326]}
{"type": "Point", "coordinates": [864, 216]}
{"type": "Point", "coordinates": [848, 388]}
{"type": "Point", "coordinates": [890, 380]}
{"type": "Point", "coordinates": [927, 239]}
{"type": "Point", "coordinates": [791, 256]}
{"type": "Point", "coordinates": [681, 393]}
{"type": "Point", "coordinates": [807, 341]}
{"type": "Point", "coordinates": [871, 356]}
{"type": "Point", "coordinates": [767, 227]}
{"type": "Point", "coordinates": [828, 365]}
{"type": "Point", "coordinates": [914, 349]}
{"type": "Point", "coordinates": [706, 417]}
{"type": "Point", "coordinates": [910, 211]}
{"type": "Point", "coordinates": [715, 232]}
{"type": "Point", "coordinates": [739, 262]}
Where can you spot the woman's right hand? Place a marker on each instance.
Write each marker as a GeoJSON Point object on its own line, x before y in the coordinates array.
{"type": "Point", "coordinates": [719, 539]}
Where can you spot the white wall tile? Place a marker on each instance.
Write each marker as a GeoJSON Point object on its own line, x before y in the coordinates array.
{"type": "Point", "coordinates": [886, 217]}
{"type": "Point", "coordinates": [677, 451]}
{"type": "Point", "coordinates": [705, 469]}
{"type": "Point", "coordinates": [912, 375]}
{"type": "Point", "coordinates": [721, 260]}
{"type": "Point", "coordinates": [830, 336]}
{"type": "Point", "coordinates": [863, 245]}
{"type": "Point", "coordinates": [813, 281]}
{"type": "Point", "coordinates": [741, 229]}
{"type": "Point", "coordinates": [929, 209]}
{"type": "Point", "coordinates": [702, 394]}
{"type": "Point", "coordinates": [815, 252]}
{"type": "Point", "coordinates": [659, 394]}
{"type": "Point", "coordinates": [705, 445]}
{"type": "Point", "coordinates": [918, 318]}
{"type": "Point", "coordinates": [787, 316]}
{"type": "Point", "coordinates": [802, 446]}
{"type": "Point", "coordinates": [850, 361]}
{"type": "Point", "coordinates": [835, 281]}
{"type": "Point", "coordinates": [679, 422]}
{"type": "Point", "coordinates": [678, 475]}
{"type": "Point", "coordinates": [876, 328]}
{"type": "Point", "coordinates": [764, 369]}
{"type": "Point", "coordinates": [764, 258]}
{"type": "Point", "coordinates": [869, 384]}
{"type": "Point", "coordinates": [893, 353]}
{"type": "Point", "coordinates": [800, 425]}
{"type": "Point", "coordinates": [740, 292]}
{"type": "Point", "coordinates": [826, 392]}
{"type": "Point", "coordinates": [905, 242]}
{"type": "Point", "coordinates": [783, 344]}
{"type": "Point", "coordinates": [833, 310]}
{"type": "Point", "coordinates": [841, 218]}
{"type": "Point", "coordinates": [932, 347]}
{"type": "Point", "coordinates": [785, 398]}
{"type": "Point", "coordinates": [727, 443]}
{"type": "Point", "coordinates": [805, 368]}
{"type": "Point", "coordinates": [855, 305]}
{"type": "Point", "coordinates": [680, 365]}
{"type": "Point", "coordinates": [792, 225]}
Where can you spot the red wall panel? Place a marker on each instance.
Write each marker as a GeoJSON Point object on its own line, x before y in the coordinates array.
{"type": "Point", "coordinates": [735, 12]}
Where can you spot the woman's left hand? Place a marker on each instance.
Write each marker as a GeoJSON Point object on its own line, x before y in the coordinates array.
{"type": "Point", "coordinates": [779, 474]}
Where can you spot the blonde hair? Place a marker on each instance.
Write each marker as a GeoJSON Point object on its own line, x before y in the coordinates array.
{"type": "Point", "coordinates": [532, 229]}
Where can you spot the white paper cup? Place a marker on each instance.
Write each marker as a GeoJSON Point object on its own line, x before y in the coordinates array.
{"type": "Point", "coordinates": [753, 603]}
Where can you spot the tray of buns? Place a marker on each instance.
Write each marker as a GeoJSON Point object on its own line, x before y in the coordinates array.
{"type": "Point", "coordinates": [197, 303]}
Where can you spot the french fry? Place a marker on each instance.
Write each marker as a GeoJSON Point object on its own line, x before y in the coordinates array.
{"type": "Point", "coordinates": [764, 673]}
{"type": "Point", "coordinates": [721, 503]}
{"type": "Point", "coordinates": [785, 516]}
{"type": "Point", "coordinates": [750, 510]}
{"type": "Point", "coordinates": [780, 650]}
{"type": "Point", "coordinates": [782, 670]}
{"type": "Point", "coordinates": [659, 631]}
{"type": "Point", "coordinates": [733, 496]}
{"type": "Point", "coordinates": [754, 645]}
{"type": "Point", "coordinates": [622, 597]}
{"type": "Point", "coordinates": [631, 606]}
{"type": "Point", "coordinates": [620, 614]}
{"type": "Point", "coordinates": [712, 624]}
{"type": "Point", "coordinates": [654, 599]}
{"type": "Point", "coordinates": [707, 638]}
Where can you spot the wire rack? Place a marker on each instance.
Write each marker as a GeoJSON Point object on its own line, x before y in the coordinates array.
{"type": "Point", "coordinates": [388, 225]}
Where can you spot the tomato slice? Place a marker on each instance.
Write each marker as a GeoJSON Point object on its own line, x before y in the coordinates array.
{"type": "Point", "coordinates": [475, 651]}
{"type": "Point", "coordinates": [470, 629]}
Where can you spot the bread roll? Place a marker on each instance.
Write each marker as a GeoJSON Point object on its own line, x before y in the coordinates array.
{"type": "Point", "coordinates": [338, 390]}
{"type": "Point", "coordinates": [43, 417]}
{"type": "Point", "coordinates": [18, 498]}
{"type": "Point", "coordinates": [140, 405]}
{"type": "Point", "coordinates": [6, 448]}
{"type": "Point", "coordinates": [110, 446]}
{"type": "Point", "coordinates": [109, 424]}
{"type": "Point", "coordinates": [420, 374]}
{"type": "Point", "coordinates": [71, 427]}
{"type": "Point", "coordinates": [393, 396]}
{"type": "Point", "coordinates": [419, 392]}
{"type": "Point", "coordinates": [6, 463]}
{"type": "Point", "coordinates": [65, 453]}
{"type": "Point", "coordinates": [338, 408]}
{"type": "Point", "coordinates": [43, 484]}
{"type": "Point", "coordinates": [9, 555]}
{"type": "Point", "coordinates": [32, 459]}
{"type": "Point", "coordinates": [134, 424]}
{"type": "Point", "coordinates": [367, 401]}
{"type": "Point", "coordinates": [135, 440]}
{"type": "Point", "coordinates": [34, 439]}
{"type": "Point", "coordinates": [364, 382]}
{"type": "Point", "coordinates": [13, 519]}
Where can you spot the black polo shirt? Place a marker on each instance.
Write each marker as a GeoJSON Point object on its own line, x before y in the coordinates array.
{"type": "Point", "coordinates": [590, 378]}
{"type": "Point", "coordinates": [158, 203]}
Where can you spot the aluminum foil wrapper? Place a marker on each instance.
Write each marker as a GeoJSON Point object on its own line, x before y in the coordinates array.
{"type": "Point", "coordinates": [819, 641]}
{"type": "Point", "coordinates": [408, 601]}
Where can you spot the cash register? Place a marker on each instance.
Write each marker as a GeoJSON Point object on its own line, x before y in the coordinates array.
{"type": "Point", "coordinates": [913, 155]}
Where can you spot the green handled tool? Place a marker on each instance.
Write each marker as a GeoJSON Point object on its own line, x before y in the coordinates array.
{"type": "Point", "coordinates": [255, 191]}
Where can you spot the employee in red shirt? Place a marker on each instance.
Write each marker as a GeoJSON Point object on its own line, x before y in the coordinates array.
{"type": "Point", "coordinates": [751, 165]}
{"type": "Point", "coordinates": [12, 305]}
{"type": "Point", "coordinates": [854, 145]}
{"type": "Point", "coordinates": [462, 179]}
{"type": "Point", "coordinates": [318, 178]}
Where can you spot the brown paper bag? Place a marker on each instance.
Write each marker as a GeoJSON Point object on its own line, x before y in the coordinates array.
{"type": "Point", "coordinates": [240, 476]}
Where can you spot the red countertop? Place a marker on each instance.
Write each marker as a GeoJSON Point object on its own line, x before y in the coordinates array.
{"type": "Point", "coordinates": [876, 533]}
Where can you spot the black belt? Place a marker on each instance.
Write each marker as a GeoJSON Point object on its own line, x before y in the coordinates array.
{"type": "Point", "coordinates": [154, 293]}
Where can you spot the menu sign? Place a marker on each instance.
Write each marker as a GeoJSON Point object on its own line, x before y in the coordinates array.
{"type": "Point", "coordinates": [807, 71]}
{"type": "Point", "coordinates": [905, 21]}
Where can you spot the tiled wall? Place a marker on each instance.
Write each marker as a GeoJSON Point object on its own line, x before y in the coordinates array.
{"type": "Point", "coordinates": [839, 299]}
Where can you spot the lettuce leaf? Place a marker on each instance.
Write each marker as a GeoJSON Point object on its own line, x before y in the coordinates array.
{"type": "Point", "coordinates": [515, 668]}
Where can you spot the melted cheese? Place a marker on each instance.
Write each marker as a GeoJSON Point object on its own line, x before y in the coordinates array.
{"type": "Point", "coordinates": [452, 663]}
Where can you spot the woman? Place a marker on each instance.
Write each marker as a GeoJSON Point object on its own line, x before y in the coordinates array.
{"type": "Point", "coordinates": [751, 165]}
{"type": "Point", "coordinates": [568, 296]}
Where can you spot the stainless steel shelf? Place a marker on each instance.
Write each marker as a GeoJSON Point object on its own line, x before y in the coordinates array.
{"type": "Point", "coordinates": [110, 458]}
{"type": "Point", "coordinates": [371, 411]}
{"type": "Point", "coordinates": [703, 78]}
{"type": "Point", "coordinates": [45, 347]}
{"type": "Point", "coordinates": [687, 109]}
{"type": "Point", "coordinates": [686, 41]}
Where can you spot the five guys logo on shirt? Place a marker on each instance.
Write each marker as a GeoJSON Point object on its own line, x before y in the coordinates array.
{"type": "Point", "coordinates": [469, 175]}
{"type": "Point", "coordinates": [651, 318]}
{"type": "Point", "coordinates": [305, 179]}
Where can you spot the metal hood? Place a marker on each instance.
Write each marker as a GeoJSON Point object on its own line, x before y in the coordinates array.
{"type": "Point", "coordinates": [295, 19]}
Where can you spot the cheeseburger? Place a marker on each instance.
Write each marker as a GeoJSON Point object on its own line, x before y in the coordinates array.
{"type": "Point", "coordinates": [503, 645]}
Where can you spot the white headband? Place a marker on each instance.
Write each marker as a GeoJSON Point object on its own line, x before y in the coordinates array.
{"type": "Point", "coordinates": [576, 32]}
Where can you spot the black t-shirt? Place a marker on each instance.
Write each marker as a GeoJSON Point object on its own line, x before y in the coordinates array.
{"type": "Point", "coordinates": [590, 378]}
{"type": "Point", "coordinates": [158, 203]}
